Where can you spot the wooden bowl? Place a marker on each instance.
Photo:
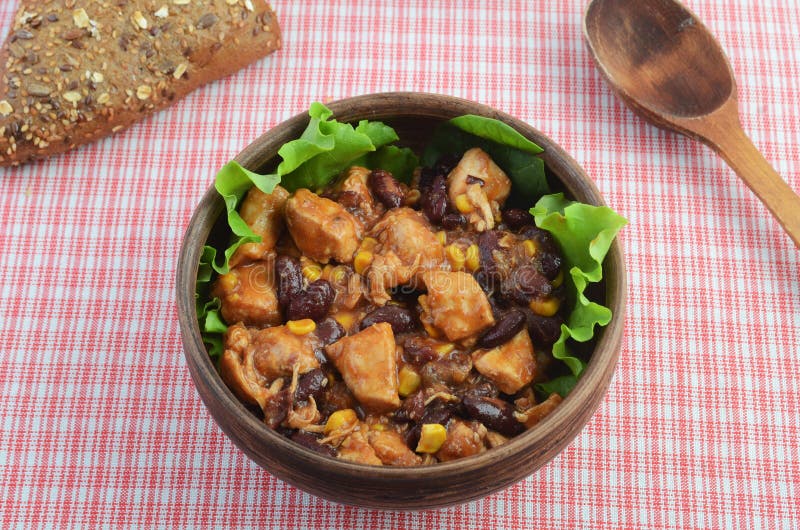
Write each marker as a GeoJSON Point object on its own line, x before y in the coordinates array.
{"type": "Point", "coordinates": [414, 116]}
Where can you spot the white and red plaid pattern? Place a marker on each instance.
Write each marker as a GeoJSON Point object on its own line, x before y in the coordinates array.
{"type": "Point", "coordinates": [102, 427]}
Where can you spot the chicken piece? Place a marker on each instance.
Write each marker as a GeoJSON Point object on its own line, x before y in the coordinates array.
{"type": "Point", "coordinates": [537, 413]}
{"type": "Point", "coordinates": [510, 366]}
{"type": "Point", "coordinates": [248, 294]}
{"type": "Point", "coordinates": [237, 369]}
{"type": "Point", "coordinates": [455, 305]}
{"type": "Point", "coordinates": [481, 199]}
{"type": "Point", "coordinates": [463, 439]}
{"type": "Point", "coordinates": [356, 448]}
{"type": "Point", "coordinates": [356, 197]}
{"type": "Point", "coordinates": [322, 229]}
{"type": "Point", "coordinates": [367, 362]}
{"type": "Point", "coordinates": [263, 213]}
{"type": "Point", "coordinates": [391, 448]}
{"type": "Point", "coordinates": [406, 247]}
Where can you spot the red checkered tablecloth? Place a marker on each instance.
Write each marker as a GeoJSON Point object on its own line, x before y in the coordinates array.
{"type": "Point", "coordinates": [101, 425]}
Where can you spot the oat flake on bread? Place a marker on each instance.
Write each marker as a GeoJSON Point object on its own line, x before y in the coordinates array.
{"type": "Point", "coordinates": [78, 70]}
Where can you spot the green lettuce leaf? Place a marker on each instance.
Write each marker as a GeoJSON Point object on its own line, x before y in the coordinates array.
{"type": "Point", "coordinates": [495, 131]}
{"type": "Point", "coordinates": [584, 233]}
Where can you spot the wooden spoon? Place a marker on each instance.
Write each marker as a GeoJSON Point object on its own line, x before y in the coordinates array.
{"type": "Point", "coordinates": [668, 68]}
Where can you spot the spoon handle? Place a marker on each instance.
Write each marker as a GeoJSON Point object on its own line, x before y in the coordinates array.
{"type": "Point", "coordinates": [733, 144]}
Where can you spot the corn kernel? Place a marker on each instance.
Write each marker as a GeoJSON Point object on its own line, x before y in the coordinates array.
{"type": "Point", "coordinates": [362, 261]}
{"type": "Point", "coordinates": [312, 272]}
{"type": "Point", "coordinates": [301, 327]}
{"type": "Point", "coordinates": [338, 274]}
{"type": "Point", "coordinates": [455, 256]}
{"type": "Point", "coordinates": [530, 247]}
{"type": "Point", "coordinates": [545, 307]}
{"type": "Point", "coordinates": [378, 427]}
{"type": "Point", "coordinates": [473, 258]}
{"type": "Point", "coordinates": [345, 319]}
{"type": "Point", "coordinates": [341, 419]}
{"type": "Point", "coordinates": [441, 235]}
{"type": "Point", "coordinates": [409, 381]}
{"type": "Point", "coordinates": [558, 280]}
{"type": "Point", "coordinates": [368, 243]}
{"type": "Point", "coordinates": [462, 204]}
{"type": "Point", "coordinates": [444, 348]}
{"type": "Point", "coordinates": [432, 331]}
{"type": "Point", "coordinates": [431, 438]}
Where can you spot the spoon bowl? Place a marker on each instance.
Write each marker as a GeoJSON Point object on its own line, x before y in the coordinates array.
{"type": "Point", "coordinates": [667, 67]}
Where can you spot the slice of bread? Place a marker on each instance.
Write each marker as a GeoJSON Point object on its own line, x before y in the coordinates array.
{"type": "Point", "coordinates": [78, 70]}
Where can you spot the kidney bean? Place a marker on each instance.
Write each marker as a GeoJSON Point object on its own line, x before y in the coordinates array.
{"type": "Point", "coordinates": [526, 283]}
{"type": "Point", "coordinates": [277, 408]}
{"type": "Point", "coordinates": [488, 242]}
{"type": "Point", "coordinates": [426, 176]}
{"type": "Point", "coordinates": [516, 218]}
{"type": "Point", "coordinates": [504, 330]}
{"type": "Point", "coordinates": [494, 413]}
{"type": "Point", "coordinates": [418, 351]}
{"type": "Point", "coordinates": [412, 409]}
{"type": "Point", "coordinates": [550, 264]}
{"type": "Point", "coordinates": [437, 411]}
{"type": "Point", "coordinates": [329, 331]}
{"type": "Point", "coordinates": [544, 331]}
{"type": "Point", "coordinates": [311, 383]}
{"type": "Point", "coordinates": [434, 200]}
{"type": "Point", "coordinates": [451, 220]}
{"type": "Point", "coordinates": [289, 279]}
{"type": "Point", "coordinates": [386, 188]}
{"type": "Point", "coordinates": [310, 441]}
{"type": "Point", "coordinates": [312, 303]}
{"type": "Point", "coordinates": [401, 319]}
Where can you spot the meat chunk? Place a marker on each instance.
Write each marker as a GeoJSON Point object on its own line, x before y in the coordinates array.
{"type": "Point", "coordinates": [537, 413]}
{"type": "Point", "coordinates": [248, 294]}
{"type": "Point", "coordinates": [321, 228]}
{"type": "Point", "coordinates": [275, 352]}
{"type": "Point", "coordinates": [406, 247]}
{"type": "Point", "coordinates": [356, 448]}
{"type": "Point", "coordinates": [455, 305]}
{"type": "Point", "coordinates": [510, 366]}
{"type": "Point", "coordinates": [391, 448]}
{"type": "Point", "coordinates": [356, 197]}
{"type": "Point", "coordinates": [237, 369]}
{"type": "Point", "coordinates": [481, 198]}
{"type": "Point", "coordinates": [463, 439]}
{"type": "Point", "coordinates": [367, 362]}
{"type": "Point", "coordinates": [263, 213]}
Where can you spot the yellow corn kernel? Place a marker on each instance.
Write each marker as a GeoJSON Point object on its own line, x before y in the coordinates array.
{"type": "Point", "coordinates": [473, 258]}
{"type": "Point", "coordinates": [432, 331]}
{"type": "Point", "coordinates": [338, 274]}
{"type": "Point", "coordinates": [312, 272]}
{"type": "Point", "coordinates": [444, 348]}
{"type": "Point", "coordinates": [301, 327]}
{"type": "Point", "coordinates": [368, 243]}
{"type": "Point", "coordinates": [462, 204]}
{"type": "Point", "coordinates": [455, 256]}
{"type": "Point", "coordinates": [558, 280]}
{"type": "Point", "coordinates": [545, 307]}
{"type": "Point", "coordinates": [409, 381]}
{"type": "Point", "coordinates": [362, 261]}
{"type": "Point", "coordinates": [341, 419]}
{"type": "Point", "coordinates": [345, 319]}
{"type": "Point", "coordinates": [431, 438]}
{"type": "Point", "coordinates": [441, 235]}
{"type": "Point", "coordinates": [530, 247]}
{"type": "Point", "coordinates": [378, 427]}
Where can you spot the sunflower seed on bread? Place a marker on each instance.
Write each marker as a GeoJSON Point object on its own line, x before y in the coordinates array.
{"type": "Point", "coordinates": [75, 71]}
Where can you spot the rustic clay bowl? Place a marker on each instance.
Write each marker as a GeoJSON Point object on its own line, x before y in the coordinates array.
{"type": "Point", "coordinates": [413, 115]}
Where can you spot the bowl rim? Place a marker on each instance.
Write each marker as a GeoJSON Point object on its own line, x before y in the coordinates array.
{"type": "Point", "coordinates": [595, 377]}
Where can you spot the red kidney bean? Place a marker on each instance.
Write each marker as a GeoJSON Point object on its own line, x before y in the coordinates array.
{"type": "Point", "coordinates": [312, 303]}
{"type": "Point", "coordinates": [329, 331]}
{"type": "Point", "coordinates": [437, 411]}
{"type": "Point", "coordinates": [402, 320]}
{"type": "Point", "coordinates": [504, 330]}
{"type": "Point", "coordinates": [412, 409]}
{"type": "Point", "coordinates": [311, 383]}
{"type": "Point", "coordinates": [386, 188]}
{"type": "Point", "coordinates": [494, 413]}
{"type": "Point", "coordinates": [289, 279]}
{"type": "Point", "coordinates": [516, 218]}
{"type": "Point", "coordinates": [550, 263]}
{"type": "Point", "coordinates": [544, 331]}
{"type": "Point", "coordinates": [526, 283]}
{"type": "Point", "coordinates": [451, 220]}
{"type": "Point", "coordinates": [434, 200]}
{"type": "Point", "coordinates": [310, 441]}
{"type": "Point", "coordinates": [418, 351]}
{"type": "Point", "coordinates": [488, 242]}
{"type": "Point", "coordinates": [277, 408]}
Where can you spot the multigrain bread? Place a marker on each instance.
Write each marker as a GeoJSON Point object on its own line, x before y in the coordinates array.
{"type": "Point", "coordinates": [78, 70]}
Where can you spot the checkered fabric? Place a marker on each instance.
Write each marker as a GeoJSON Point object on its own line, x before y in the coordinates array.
{"type": "Point", "coordinates": [101, 426]}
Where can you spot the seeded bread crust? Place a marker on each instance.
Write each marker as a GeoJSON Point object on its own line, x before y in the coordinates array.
{"type": "Point", "coordinates": [78, 70]}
